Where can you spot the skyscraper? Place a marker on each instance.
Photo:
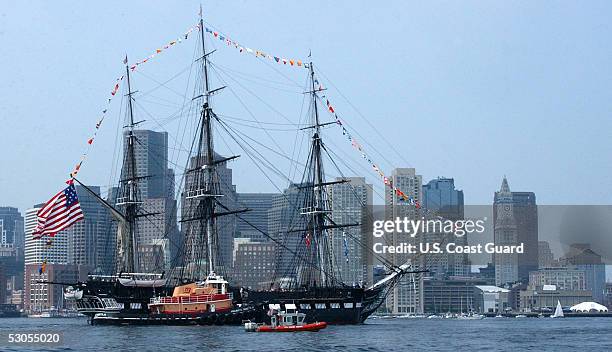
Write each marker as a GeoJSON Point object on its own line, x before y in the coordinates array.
{"type": "Point", "coordinates": [351, 204]}
{"type": "Point", "coordinates": [407, 295]}
{"type": "Point", "coordinates": [11, 228]}
{"type": "Point", "coordinates": [440, 198]}
{"type": "Point", "coordinates": [515, 218]}
{"type": "Point", "coordinates": [37, 250]}
{"type": "Point", "coordinates": [151, 154]}
{"type": "Point", "coordinates": [440, 195]}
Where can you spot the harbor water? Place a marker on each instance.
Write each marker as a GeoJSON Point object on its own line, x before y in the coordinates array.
{"type": "Point", "coordinates": [418, 334]}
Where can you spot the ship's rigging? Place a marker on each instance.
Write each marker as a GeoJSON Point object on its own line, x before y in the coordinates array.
{"type": "Point", "coordinates": [202, 195]}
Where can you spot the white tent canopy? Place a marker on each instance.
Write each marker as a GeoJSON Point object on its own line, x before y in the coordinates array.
{"type": "Point", "coordinates": [588, 307]}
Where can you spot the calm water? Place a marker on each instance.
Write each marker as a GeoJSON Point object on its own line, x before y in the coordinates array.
{"type": "Point", "coordinates": [491, 334]}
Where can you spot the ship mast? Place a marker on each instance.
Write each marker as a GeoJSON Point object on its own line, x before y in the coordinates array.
{"type": "Point", "coordinates": [209, 166]}
{"type": "Point", "coordinates": [203, 189]}
{"type": "Point", "coordinates": [318, 210]}
{"type": "Point", "coordinates": [129, 193]}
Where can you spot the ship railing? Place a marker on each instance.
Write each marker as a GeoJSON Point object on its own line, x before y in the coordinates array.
{"type": "Point", "coordinates": [190, 299]}
{"type": "Point", "coordinates": [125, 276]}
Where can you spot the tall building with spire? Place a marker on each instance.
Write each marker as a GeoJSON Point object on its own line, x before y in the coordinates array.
{"type": "Point", "coordinates": [515, 219]}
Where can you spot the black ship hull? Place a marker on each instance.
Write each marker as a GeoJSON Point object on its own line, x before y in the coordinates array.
{"type": "Point", "coordinates": [110, 303]}
{"type": "Point", "coordinates": [331, 305]}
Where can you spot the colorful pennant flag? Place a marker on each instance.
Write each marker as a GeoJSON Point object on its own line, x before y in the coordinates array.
{"type": "Point", "coordinates": [115, 89]}
{"type": "Point", "coordinates": [355, 144]}
{"type": "Point", "coordinates": [257, 53]}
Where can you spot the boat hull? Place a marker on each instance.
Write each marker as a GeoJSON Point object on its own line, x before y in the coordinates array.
{"type": "Point", "coordinates": [293, 328]}
{"type": "Point", "coordinates": [234, 316]}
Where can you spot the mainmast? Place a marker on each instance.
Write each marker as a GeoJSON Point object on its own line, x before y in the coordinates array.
{"type": "Point", "coordinates": [203, 189]}
{"type": "Point", "coordinates": [209, 167]}
{"type": "Point", "coordinates": [318, 210]}
{"type": "Point", "coordinates": [128, 260]}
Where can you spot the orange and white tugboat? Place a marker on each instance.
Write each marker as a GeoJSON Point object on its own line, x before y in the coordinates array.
{"type": "Point", "coordinates": [286, 321]}
{"type": "Point", "coordinates": [206, 301]}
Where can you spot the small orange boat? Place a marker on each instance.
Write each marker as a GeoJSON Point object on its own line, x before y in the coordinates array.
{"type": "Point", "coordinates": [287, 321]}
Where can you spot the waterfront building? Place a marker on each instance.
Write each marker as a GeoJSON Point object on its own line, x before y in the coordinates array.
{"type": "Point", "coordinates": [491, 299]}
{"type": "Point", "coordinates": [582, 257]}
{"type": "Point", "coordinates": [535, 298]}
{"type": "Point", "coordinates": [407, 295]}
{"type": "Point", "coordinates": [259, 205]}
{"type": "Point", "coordinates": [39, 297]}
{"type": "Point", "coordinates": [454, 295]}
{"type": "Point", "coordinates": [562, 278]}
{"type": "Point", "coordinates": [351, 204]}
{"type": "Point", "coordinates": [253, 263]}
{"type": "Point", "coordinates": [514, 297]}
{"type": "Point", "coordinates": [515, 218]}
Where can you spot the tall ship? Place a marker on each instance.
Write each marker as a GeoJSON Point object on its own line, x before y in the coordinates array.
{"type": "Point", "coordinates": [198, 288]}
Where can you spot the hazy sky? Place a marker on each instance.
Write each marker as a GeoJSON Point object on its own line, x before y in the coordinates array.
{"type": "Point", "coordinates": [470, 90]}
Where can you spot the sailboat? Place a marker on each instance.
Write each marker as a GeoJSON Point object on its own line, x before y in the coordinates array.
{"type": "Point", "coordinates": [558, 311]}
{"type": "Point", "coordinates": [200, 293]}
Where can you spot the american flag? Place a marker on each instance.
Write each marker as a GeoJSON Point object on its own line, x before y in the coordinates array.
{"type": "Point", "coordinates": [59, 213]}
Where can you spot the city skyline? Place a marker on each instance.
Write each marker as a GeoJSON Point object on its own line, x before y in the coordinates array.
{"type": "Point", "coordinates": [516, 123]}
